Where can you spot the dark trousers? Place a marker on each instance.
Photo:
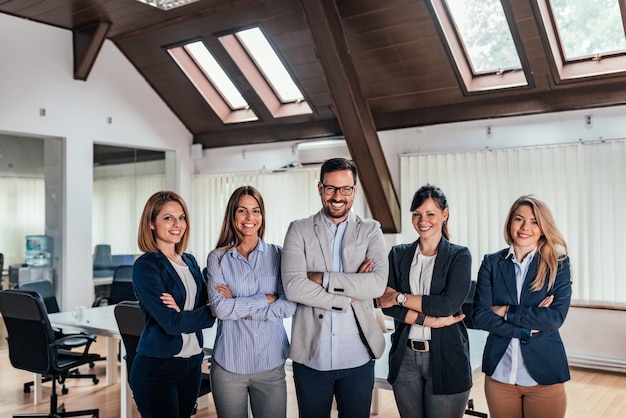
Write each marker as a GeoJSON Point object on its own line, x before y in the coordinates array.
{"type": "Point", "coordinates": [166, 388]}
{"type": "Point", "coordinates": [352, 389]}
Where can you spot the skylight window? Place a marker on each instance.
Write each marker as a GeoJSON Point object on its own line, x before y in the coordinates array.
{"type": "Point", "coordinates": [265, 72]}
{"type": "Point", "coordinates": [482, 44]}
{"type": "Point", "coordinates": [212, 82]}
{"type": "Point", "coordinates": [586, 37]}
{"type": "Point", "coordinates": [270, 65]}
{"type": "Point", "coordinates": [216, 74]}
{"type": "Point", "coordinates": [258, 62]}
{"type": "Point", "coordinates": [485, 34]}
{"type": "Point", "coordinates": [588, 29]}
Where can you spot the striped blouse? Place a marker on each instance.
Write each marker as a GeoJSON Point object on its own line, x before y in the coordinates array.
{"type": "Point", "coordinates": [251, 337]}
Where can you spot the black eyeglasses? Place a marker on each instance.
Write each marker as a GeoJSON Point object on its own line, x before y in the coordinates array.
{"type": "Point", "coordinates": [344, 190]}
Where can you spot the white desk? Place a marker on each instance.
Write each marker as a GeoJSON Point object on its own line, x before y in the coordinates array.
{"type": "Point", "coordinates": [99, 321]}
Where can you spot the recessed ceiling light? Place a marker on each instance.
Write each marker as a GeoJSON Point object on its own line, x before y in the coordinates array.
{"type": "Point", "coordinates": [167, 4]}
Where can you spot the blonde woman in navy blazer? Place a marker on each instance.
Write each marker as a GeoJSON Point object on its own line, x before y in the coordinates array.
{"type": "Point", "coordinates": [522, 297]}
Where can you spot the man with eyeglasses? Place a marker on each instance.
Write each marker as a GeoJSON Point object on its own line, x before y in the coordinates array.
{"type": "Point", "coordinates": [334, 264]}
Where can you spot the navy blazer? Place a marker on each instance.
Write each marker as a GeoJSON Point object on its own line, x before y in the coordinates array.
{"type": "Point", "coordinates": [451, 368]}
{"type": "Point", "coordinates": [153, 274]}
{"type": "Point", "coordinates": [543, 352]}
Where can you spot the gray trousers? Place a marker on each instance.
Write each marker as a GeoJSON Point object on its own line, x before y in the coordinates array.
{"type": "Point", "coordinates": [267, 392]}
{"type": "Point", "coordinates": [413, 390]}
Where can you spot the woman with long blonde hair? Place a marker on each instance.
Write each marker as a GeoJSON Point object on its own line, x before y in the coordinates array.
{"type": "Point", "coordinates": [522, 298]}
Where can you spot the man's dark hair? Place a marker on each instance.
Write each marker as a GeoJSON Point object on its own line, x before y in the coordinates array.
{"type": "Point", "coordinates": [337, 164]}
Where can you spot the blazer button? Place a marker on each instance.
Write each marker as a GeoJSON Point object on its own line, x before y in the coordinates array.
{"type": "Point", "coordinates": [320, 316]}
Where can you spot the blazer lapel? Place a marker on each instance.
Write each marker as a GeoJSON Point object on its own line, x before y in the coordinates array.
{"type": "Point", "coordinates": [507, 275]}
{"type": "Point", "coordinates": [321, 233]}
{"type": "Point", "coordinates": [439, 278]}
{"type": "Point", "coordinates": [170, 270]}
{"type": "Point", "coordinates": [405, 265]}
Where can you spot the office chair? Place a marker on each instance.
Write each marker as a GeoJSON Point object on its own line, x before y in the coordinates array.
{"type": "Point", "coordinates": [34, 348]}
{"type": "Point", "coordinates": [45, 289]}
{"type": "Point", "coordinates": [131, 323]}
{"type": "Point", "coordinates": [121, 287]}
{"type": "Point", "coordinates": [102, 261]}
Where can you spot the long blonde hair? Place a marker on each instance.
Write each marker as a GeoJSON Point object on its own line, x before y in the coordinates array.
{"type": "Point", "coordinates": [552, 247]}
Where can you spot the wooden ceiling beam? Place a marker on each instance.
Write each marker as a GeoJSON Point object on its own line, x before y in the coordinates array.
{"type": "Point", "coordinates": [87, 42]}
{"type": "Point", "coordinates": [256, 133]}
{"type": "Point", "coordinates": [533, 102]}
{"type": "Point", "coordinates": [353, 113]}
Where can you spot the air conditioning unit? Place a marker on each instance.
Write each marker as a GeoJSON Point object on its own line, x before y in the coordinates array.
{"type": "Point", "coordinates": [316, 152]}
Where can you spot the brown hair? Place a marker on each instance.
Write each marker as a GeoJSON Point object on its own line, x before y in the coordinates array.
{"type": "Point", "coordinates": [552, 247]}
{"type": "Point", "coordinates": [230, 237]}
{"type": "Point", "coordinates": [145, 236]}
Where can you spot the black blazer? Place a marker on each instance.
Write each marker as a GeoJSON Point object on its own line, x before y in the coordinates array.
{"type": "Point", "coordinates": [543, 353]}
{"type": "Point", "coordinates": [451, 369]}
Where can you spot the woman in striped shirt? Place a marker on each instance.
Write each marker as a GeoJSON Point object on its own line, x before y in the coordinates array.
{"type": "Point", "coordinates": [245, 291]}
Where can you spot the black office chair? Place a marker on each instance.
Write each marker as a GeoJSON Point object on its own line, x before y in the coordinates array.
{"type": "Point", "coordinates": [45, 289]}
{"type": "Point", "coordinates": [1, 267]}
{"type": "Point", "coordinates": [130, 322]}
{"type": "Point", "coordinates": [102, 261]}
{"type": "Point", "coordinates": [34, 348]}
{"type": "Point", "coordinates": [121, 287]}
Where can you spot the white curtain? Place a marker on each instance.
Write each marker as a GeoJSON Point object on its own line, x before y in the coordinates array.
{"type": "Point", "coordinates": [117, 207]}
{"type": "Point", "coordinates": [583, 184]}
{"type": "Point", "coordinates": [22, 203]}
{"type": "Point", "coordinates": [287, 195]}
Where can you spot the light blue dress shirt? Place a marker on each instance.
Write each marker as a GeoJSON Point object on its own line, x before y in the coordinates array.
{"type": "Point", "coordinates": [511, 368]}
{"type": "Point", "coordinates": [341, 346]}
{"type": "Point", "coordinates": [251, 337]}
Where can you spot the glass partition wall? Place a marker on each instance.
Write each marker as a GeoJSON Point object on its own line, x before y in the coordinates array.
{"type": "Point", "coordinates": [123, 179]}
{"type": "Point", "coordinates": [31, 198]}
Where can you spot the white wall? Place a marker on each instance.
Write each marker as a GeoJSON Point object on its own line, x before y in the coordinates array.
{"type": "Point", "coordinates": [36, 72]}
{"type": "Point", "coordinates": [511, 132]}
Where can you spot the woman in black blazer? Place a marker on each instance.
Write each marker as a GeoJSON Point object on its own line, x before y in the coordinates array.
{"type": "Point", "coordinates": [429, 365]}
{"type": "Point", "coordinates": [522, 297]}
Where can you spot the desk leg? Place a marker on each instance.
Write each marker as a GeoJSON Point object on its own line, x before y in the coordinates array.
{"type": "Point", "coordinates": [126, 396]}
{"type": "Point", "coordinates": [37, 388]}
{"type": "Point", "coordinates": [111, 362]}
{"type": "Point", "coordinates": [376, 401]}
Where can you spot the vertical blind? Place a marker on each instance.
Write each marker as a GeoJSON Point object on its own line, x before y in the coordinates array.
{"type": "Point", "coordinates": [287, 195]}
{"type": "Point", "coordinates": [117, 207]}
{"type": "Point", "coordinates": [22, 202]}
{"type": "Point", "coordinates": [583, 184]}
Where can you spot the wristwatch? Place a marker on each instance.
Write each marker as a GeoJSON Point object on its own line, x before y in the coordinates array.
{"type": "Point", "coordinates": [420, 319]}
{"type": "Point", "coordinates": [401, 299]}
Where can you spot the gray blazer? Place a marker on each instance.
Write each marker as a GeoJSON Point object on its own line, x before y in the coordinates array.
{"type": "Point", "coordinates": [307, 249]}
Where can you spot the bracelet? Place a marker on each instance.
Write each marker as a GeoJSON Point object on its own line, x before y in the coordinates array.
{"type": "Point", "coordinates": [506, 312]}
{"type": "Point", "coordinates": [421, 318]}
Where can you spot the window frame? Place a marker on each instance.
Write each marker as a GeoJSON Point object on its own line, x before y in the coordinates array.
{"type": "Point", "coordinates": [470, 82]}
{"type": "Point", "coordinates": [567, 71]}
